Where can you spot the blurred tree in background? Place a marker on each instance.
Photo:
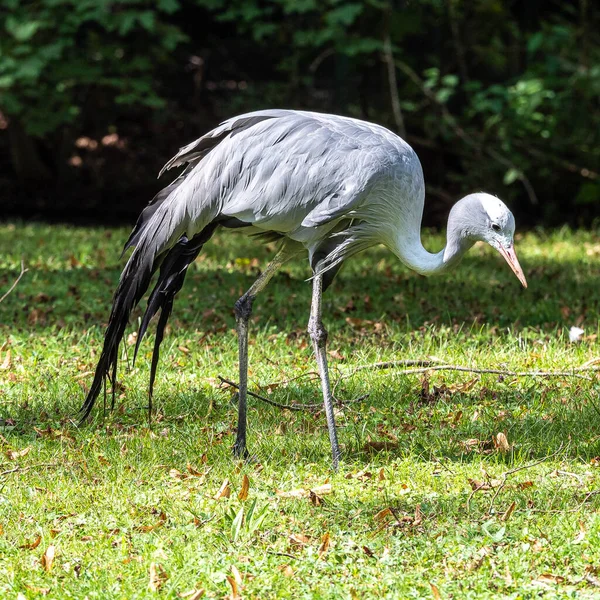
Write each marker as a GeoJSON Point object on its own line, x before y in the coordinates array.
{"type": "Point", "coordinates": [95, 95]}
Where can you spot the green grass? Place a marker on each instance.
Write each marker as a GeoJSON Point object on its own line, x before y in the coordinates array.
{"type": "Point", "coordinates": [113, 497]}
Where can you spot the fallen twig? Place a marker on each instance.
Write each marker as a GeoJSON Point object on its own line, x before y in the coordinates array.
{"type": "Point", "coordinates": [286, 554]}
{"type": "Point", "coordinates": [312, 374]}
{"type": "Point", "coordinates": [435, 366]}
{"type": "Point", "coordinates": [16, 281]}
{"type": "Point", "coordinates": [14, 470]}
{"type": "Point", "coordinates": [296, 407]}
{"type": "Point", "coordinates": [507, 474]}
{"type": "Point", "coordinates": [18, 468]}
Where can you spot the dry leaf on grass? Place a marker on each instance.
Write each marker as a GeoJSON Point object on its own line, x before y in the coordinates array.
{"type": "Point", "coordinates": [581, 535]}
{"type": "Point", "coordinates": [36, 590]}
{"type": "Point", "coordinates": [162, 519]}
{"type": "Point", "coordinates": [466, 386]}
{"type": "Point", "coordinates": [48, 558]}
{"type": "Point", "coordinates": [316, 500]}
{"type": "Point", "coordinates": [192, 594]}
{"type": "Point", "coordinates": [418, 516]}
{"type": "Point", "coordinates": [5, 366]}
{"type": "Point", "coordinates": [243, 495]}
{"type": "Point", "coordinates": [32, 545]}
{"type": "Point", "coordinates": [286, 570]}
{"type": "Point", "coordinates": [325, 543]}
{"type": "Point", "coordinates": [177, 474]}
{"type": "Point", "coordinates": [235, 592]}
{"type": "Point", "coordinates": [550, 578]}
{"type": "Point", "coordinates": [379, 446]}
{"type": "Point", "coordinates": [477, 486]}
{"type": "Point", "coordinates": [501, 442]}
{"type": "Point", "coordinates": [224, 491]}
{"type": "Point", "coordinates": [299, 540]}
{"type": "Point", "coordinates": [195, 473]}
{"type": "Point", "coordinates": [435, 592]}
{"type": "Point", "coordinates": [14, 454]}
{"type": "Point", "coordinates": [383, 514]}
{"type": "Point", "coordinates": [509, 511]}
{"type": "Point", "coordinates": [361, 475]}
{"type": "Point", "coordinates": [524, 485]}
{"type": "Point", "coordinates": [320, 490]}
{"type": "Point", "coordinates": [368, 551]}
{"type": "Point", "coordinates": [157, 577]}
{"type": "Point", "coordinates": [236, 575]}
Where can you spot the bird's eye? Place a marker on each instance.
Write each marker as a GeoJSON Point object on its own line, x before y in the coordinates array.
{"type": "Point", "coordinates": [496, 227]}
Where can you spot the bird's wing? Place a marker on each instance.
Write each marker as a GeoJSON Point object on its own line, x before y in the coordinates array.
{"type": "Point", "coordinates": [281, 170]}
{"type": "Point", "coordinates": [199, 148]}
{"type": "Point", "coordinates": [297, 170]}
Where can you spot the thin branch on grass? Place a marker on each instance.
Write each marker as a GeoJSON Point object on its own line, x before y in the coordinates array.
{"type": "Point", "coordinates": [569, 474]}
{"type": "Point", "coordinates": [16, 281]}
{"type": "Point", "coordinates": [28, 468]}
{"type": "Point", "coordinates": [286, 554]}
{"type": "Point", "coordinates": [507, 474]}
{"type": "Point", "coordinates": [431, 365]}
{"type": "Point", "coordinates": [391, 364]}
{"type": "Point", "coordinates": [385, 365]}
{"type": "Point", "coordinates": [313, 374]}
{"type": "Point", "coordinates": [9, 471]}
{"type": "Point", "coordinates": [295, 407]}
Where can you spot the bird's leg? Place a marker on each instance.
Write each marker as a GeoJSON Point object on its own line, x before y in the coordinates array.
{"type": "Point", "coordinates": [243, 310]}
{"type": "Point", "coordinates": [318, 335]}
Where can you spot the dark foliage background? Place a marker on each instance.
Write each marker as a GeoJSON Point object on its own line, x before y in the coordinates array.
{"type": "Point", "coordinates": [95, 95]}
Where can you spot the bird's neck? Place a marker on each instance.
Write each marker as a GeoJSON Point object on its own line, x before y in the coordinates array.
{"type": "Point", "coordinates": [416, 257]}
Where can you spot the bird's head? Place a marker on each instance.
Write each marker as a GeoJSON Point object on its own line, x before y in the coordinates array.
{"type": "Point", "coordinates": [483, 217]}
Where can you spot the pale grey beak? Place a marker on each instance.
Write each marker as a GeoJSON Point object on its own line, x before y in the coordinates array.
{"type": "Point", "coordinates": [513, 262]}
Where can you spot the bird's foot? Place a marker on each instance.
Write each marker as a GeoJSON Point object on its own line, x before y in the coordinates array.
{"type": "Point", "coordinates": [240, 451]}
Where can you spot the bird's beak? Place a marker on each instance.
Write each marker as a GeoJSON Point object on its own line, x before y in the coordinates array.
{"type": "Point", "coordinates": [513, 262]}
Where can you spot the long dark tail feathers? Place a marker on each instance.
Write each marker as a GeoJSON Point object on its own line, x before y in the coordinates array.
{"type": "Point", "coordinates": [153, 240]}
{"type": "Point", "coordinates": [135, 280]}
{"type": "Point", "coordinates": [170, 280]}
{"type": "Point", "coordinates": [132, 285]}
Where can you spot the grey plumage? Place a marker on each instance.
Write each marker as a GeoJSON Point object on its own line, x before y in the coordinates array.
{"type": "Point", "coordinates": [328, 185]}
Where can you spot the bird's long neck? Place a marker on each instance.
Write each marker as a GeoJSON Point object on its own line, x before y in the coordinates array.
{"type": "Point", "coordinates": [412, 253]}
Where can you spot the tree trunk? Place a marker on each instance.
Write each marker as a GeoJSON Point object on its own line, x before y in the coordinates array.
{"type": "Point", "coordinates": [26, 159]}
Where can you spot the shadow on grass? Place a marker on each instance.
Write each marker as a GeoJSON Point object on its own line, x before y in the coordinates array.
{"type": "Point", "coordinates": [454, 428]}
{"type": "Point", "coordinates": [480, 291]}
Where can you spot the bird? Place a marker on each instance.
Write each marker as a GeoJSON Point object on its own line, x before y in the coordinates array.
{"type": "Point", "coordinates": [320, 185]}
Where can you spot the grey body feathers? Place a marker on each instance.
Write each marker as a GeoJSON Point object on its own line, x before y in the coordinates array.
{"type": "Point", "coordinates": [333, 185]}
{"type": "Point", "coordinates": [299, 174]}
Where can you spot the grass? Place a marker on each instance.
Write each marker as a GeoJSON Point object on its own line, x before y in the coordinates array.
{"type": "Point", "coordinates": [124, 505]}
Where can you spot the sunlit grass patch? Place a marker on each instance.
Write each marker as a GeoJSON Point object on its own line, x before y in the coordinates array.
{"type": "Point", "coordinates": [480, 484]}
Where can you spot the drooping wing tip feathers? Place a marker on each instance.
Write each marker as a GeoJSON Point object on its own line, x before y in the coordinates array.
{"type": "Point", "coordinates": [169, 165]}
{"type": "Point", "coordinates": [182, 155]}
